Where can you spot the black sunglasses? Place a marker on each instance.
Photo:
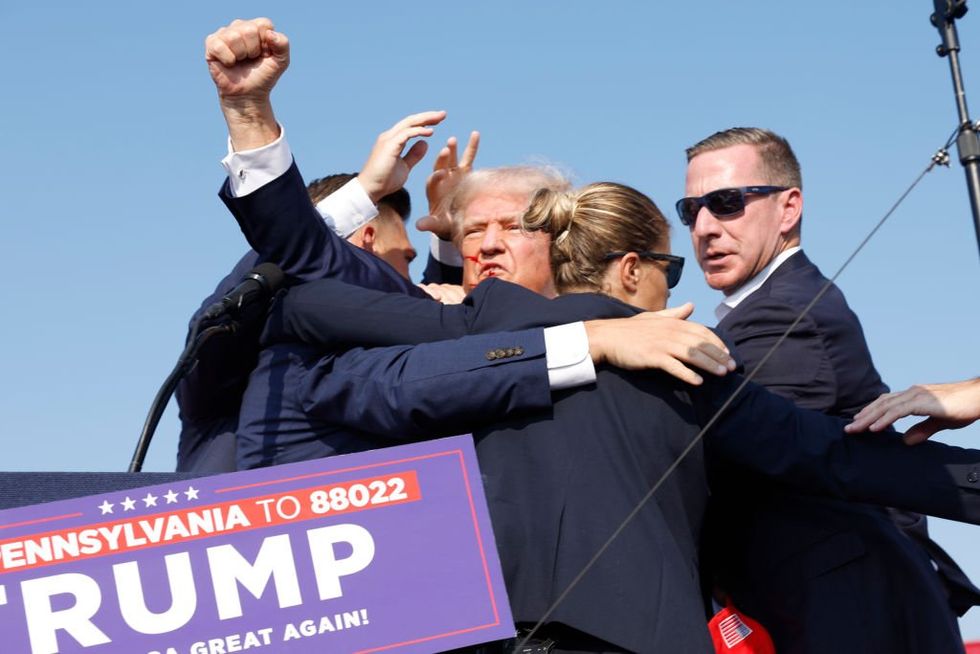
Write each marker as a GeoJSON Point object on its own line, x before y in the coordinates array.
{"type": "Point", "coordinates": [675, 264]}
{"type": "Point", "coordinates": [721, 203]}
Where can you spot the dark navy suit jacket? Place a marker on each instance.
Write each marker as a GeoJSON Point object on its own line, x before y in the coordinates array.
{"type": "Point", "coordinates": [560, 480]}
{"type": "Point", "coordinates": [283, 227]}
{"type": "Point", "coordinates": [796, 563]}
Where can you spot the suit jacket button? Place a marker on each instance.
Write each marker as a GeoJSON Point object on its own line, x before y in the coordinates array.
{"type": "Point", "coordinates": [972, 477]}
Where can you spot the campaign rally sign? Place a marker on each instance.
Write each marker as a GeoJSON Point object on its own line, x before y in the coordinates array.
{"type": "Point", "coordinates": [388, 550]}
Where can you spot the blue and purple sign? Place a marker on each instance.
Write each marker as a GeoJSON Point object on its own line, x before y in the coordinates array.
{"type": "Point", "coordinates": [389, 550]}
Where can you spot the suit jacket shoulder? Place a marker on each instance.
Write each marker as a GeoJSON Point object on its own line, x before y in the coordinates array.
{"type": "Point", "coordinates": [825, 363]}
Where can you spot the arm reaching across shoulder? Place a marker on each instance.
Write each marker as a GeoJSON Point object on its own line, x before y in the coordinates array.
{"type": "Point", "coordinates": [334, 315]}
{"type": "Point", "coordinates": [948, 406]}
{"type": "Point", "coordinates": [460, 373]}
{"type": "Point", "coordinates": [445, 293]}
{"type": "Point", "coordinates": [430, 389]}
{"type": "Point", "coordinates": [246, 60]}
{"type": "Point", "coordinates": [664, 340]}
{"type": "Point", "coordinates": [810, 451]}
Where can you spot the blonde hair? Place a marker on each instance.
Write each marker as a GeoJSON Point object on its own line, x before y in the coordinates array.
{"type": "Point", "coordinates": [587, 224]}
{"type": "Point", "coordinates": [515, 180]}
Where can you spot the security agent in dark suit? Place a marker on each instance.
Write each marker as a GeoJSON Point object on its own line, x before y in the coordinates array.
{"type": "Point", "coordinates": [560, 479]}
{"type": "Point", "coordinates": [281, 225]}
{"type": "Point", "coordinates": [274, 426]}
{"type": "Point", "coordinates": [488, 267]}
{"type": "Point", "coordinates": [590, 441]}
{"type": "Point", "coordinates": [210, 396]}
{"type": "Point", "coordinates": [813, 572]}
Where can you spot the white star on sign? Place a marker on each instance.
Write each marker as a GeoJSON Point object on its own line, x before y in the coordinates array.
{"type": "Point", "coordinates": [128, 504]}
{"type": "Point", "coordinates": [171, 497]}
{"type": "Point", "coordinates": [150, 500]}
{"type": "Point", "coordinates": [191, 493]}
{"type": "Point", "coordinates": [106, 507]}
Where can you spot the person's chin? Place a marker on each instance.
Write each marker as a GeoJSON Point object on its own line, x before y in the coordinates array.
{"type": "Point", "coordinates": [719, 279]}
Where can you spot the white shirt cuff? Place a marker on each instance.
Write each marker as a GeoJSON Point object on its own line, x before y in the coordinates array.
{"type": "Point", "coordinates": [250, 170]}
{"type": "Point", "coordinates": [567, 355]}
{"type": "Point", "coordinates": [347, 209]}
{"type": "Point", "coordinates": [445, 252]}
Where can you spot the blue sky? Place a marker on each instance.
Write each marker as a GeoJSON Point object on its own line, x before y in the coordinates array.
{"type": "Point", "coordinates": [111, 135]}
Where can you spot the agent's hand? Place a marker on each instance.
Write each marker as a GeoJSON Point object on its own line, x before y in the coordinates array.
{"type": "Point", "coordinates": [659, 340]}
{"type": "Point", "coordinates": [445, 293]}
{"type": "Point", "coordinates": [386, 169]}
{"type": "Point", "coordinates": [948, 406]}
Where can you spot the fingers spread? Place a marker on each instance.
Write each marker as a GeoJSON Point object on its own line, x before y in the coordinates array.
{"type": "Point", "coordinates": [415, 153]}
{"type": "Point", "coordinates": [423, 118]}
{"type": "Point", "coordinates": [677, 369]}
{"type": "Point", "coordinates": [451, 145]}
{"type": "Point", "coordinates": [442, 160]}
{"type": "Point", "coordinates": [921, 432]}
{"type": "Point", "coordinates": [469, 154]}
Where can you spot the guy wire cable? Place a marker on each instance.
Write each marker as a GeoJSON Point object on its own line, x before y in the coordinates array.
{"type": "Point", "coordinates": [941, 157]}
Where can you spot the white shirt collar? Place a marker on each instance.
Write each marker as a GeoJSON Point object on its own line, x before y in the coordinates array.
{"type": "Point", "coordinates": [751, 286]}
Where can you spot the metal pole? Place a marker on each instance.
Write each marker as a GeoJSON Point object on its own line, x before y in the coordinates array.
{"type": "Point", "coordinates": [967, 143]}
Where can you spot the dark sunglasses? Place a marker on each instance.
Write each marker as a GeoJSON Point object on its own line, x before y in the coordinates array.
{"type": "Point", "coordinates": [721, 203]}
{"type": "Point", "coordinates": [675, 264]}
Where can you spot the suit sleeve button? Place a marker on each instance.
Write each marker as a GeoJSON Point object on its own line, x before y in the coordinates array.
{"type": "Point", "coordinates": [972, 477]}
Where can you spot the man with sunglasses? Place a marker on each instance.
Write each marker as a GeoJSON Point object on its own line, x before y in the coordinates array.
{"type": "Point", "coordinates": [820, 575]}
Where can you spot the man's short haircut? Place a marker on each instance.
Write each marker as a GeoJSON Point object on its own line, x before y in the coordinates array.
{"type": "Point", "coordinates": [779, 164]}
{"type": "Point", "coordinates": [400, 201]}
{"type": "Point", "coordinates": [512, 180]}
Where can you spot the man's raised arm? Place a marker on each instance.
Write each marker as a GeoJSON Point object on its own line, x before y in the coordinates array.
{"type": "Point", "coordinates": [246, 59]}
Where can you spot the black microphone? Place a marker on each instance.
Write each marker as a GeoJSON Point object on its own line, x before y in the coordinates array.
{"type": "Point", "coordinates": [261, 283]}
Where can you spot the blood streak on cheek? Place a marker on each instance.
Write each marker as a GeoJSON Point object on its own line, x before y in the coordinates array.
{"type": "Point", "coordinates": [473, 259]}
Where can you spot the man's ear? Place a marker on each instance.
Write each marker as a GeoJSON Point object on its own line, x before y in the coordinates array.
{"type": "Point", "coordinates": [792, 206]}
{"type": "Point", "coordinates": [368, 238]}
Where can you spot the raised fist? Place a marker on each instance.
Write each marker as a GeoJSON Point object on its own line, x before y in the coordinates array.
{"type": "Point", "coordinates": [246, 58]}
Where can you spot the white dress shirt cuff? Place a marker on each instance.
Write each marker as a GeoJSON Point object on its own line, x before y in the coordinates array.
{"type": "Point", "coordinates": [445, 252]}
{"type": "Point", "coordinates": [567, 356]}
{"type": "Point", "coordinates": [347, 209]}
{"type": "Point", "coordinates": [250, 170]}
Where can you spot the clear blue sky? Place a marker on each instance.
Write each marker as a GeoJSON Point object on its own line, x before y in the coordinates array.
{"type": "Point", "coordinates": [111, 136]}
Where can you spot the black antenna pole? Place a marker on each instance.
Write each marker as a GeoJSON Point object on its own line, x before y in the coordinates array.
{"type": "Point", "coordinates": [967, 144]}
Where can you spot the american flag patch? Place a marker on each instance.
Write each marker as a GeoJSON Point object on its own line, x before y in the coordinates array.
{"type": "Point", "coordinates": [733, 630]}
